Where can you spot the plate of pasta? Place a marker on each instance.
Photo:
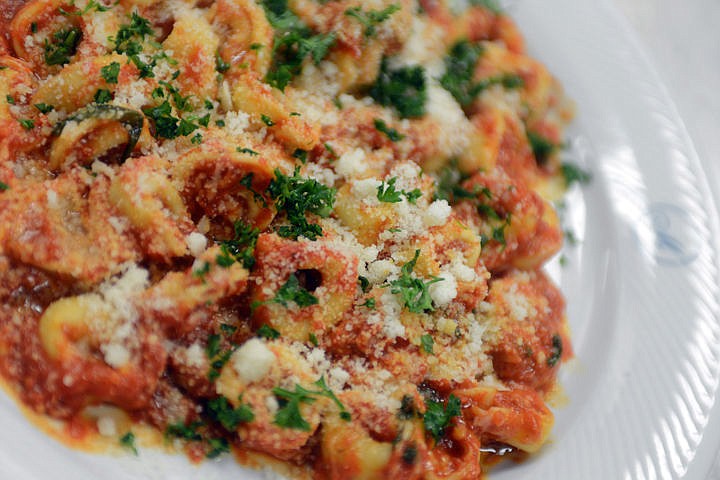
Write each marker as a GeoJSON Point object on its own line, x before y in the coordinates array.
{"type": "Point", "coordinates": [337, 240]}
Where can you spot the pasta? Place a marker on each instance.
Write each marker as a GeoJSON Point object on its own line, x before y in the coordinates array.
{"type": "Point", "coordinates": [312, 232]}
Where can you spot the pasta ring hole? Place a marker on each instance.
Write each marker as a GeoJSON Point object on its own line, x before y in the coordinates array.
{"type": "Point", "coordinates": [309, 278]}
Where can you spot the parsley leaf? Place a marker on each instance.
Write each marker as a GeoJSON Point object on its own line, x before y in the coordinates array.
{"type": "Point", "coordinates": [248, 151]}
{"type": "Point", "coordinates": [555, 351]}
{"type": "Point", "coordinates": [221, 66]}
{"type": "Point", "coordinates": [218, 446]}
{"type": "Point", "coordinates": [403, 89]}
{"type": "Point", "coordinates": [391, 133]}
{"type": "Point", "coordinates": [459, 69]}
{"type": "Point", "coordinates": [293, 42]}
{"type": "Point", "coordinates": [289, 415]}
{"type": "Point", "coordinates": [27, 123]}
{"type": "Point", "coordinates": [268, 332]}
{"type": "Point", "coordinates": [220, 410]}
{"type": "Point", "coordinates": [138, 27]}
{"type": "Point", "coordinates": [388, 194]}
{"type": "Point", "coordinates": [110, 72]}
{"type": "Point", "coordinates": [413, 291]}
{"type": "Point", "coordinates": [437, 417]}
{"type": "Point", "coordinates": [4, 186]}
{"type": "Point", "coordinates": [574, 174]}
{"type": "Point", "coordinates": [184, 431]}
{"type": "Point", "coordinates": [458, 78]}
{"type": "Point", "coordinates": [102, 95]}
{"type": "Point", "coordinates": [427, 342]}
{"type": "Point", "coordinates": [447, 185]}
{"type": "Point", "coordinates": [492, 5]}
{"type": "Point", "coordinates": [44, 107]}
{"type": "Point", "coordinates": [128, 441]}
{"type": "Point", "coordinates": [297, 196]}
{"type": "Point", "coordinates": [62, 46]}
{"type": "Point", "coordinates": [10, 99]}
{"type": "Point", "coordinates": [372, 18]}
{"type": "Point", "coordinates": [292, 291]}
{"type": "Point", "coordinates": [242, 246]}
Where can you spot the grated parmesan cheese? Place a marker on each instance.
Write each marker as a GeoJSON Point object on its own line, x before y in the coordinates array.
{"type": "Point", "coordinates": [252, 361]}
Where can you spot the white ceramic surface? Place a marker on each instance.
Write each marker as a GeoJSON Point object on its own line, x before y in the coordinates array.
{"type": "Point", "coordinates": [642, 286]}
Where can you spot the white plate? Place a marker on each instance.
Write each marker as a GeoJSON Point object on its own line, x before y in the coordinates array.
{"type": "Point", "coordinates": [642, 287]}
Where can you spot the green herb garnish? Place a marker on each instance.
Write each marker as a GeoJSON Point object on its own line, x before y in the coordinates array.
{"type": "Point", "coordinates": [128, 441]}
{"type": "Point", "coordinates": [266, 331]}
{"type": "Point", "coordinates": [427, 342]}
{"type": "Point", "coordinates": [297, 196]}
{"type": "Point", "coordinates": [403, 89]}
{"type": "Point", "coordinates": [289, 415]}
{"type": "Point", "coordinates": [391, 133]}
{"type": "Point", "coordinates": [110, 72]}
{"type": "Point", "coordinates": [62, 45]}
{"type": "Point", "coordinates": [220, 410]}
{"type": "Point", "coordinates": [413, 291]}
{"type": "Point", "coordinates": [386, 192]}
{"type": "Point", "coordinates": [292, 291]}
{"type": "Point", "coordinates": [293, 42]}
{"type": "Point", "coordinates": [438, 416]}
{"type": "Point", "coordinates": [370, 19]}
{"type": "Point", "coordinates": [555, 351]}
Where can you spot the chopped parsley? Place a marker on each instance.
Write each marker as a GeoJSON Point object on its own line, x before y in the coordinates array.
{"type": "Point", "coordinates": [44, 107]}
{"type": "Point", "coordinates": [267, 120]}
{"type": "Point", "coordinates": [369, 303]}
{"type": "Point", "coordinates": [312, 338]}
{"type": "Point", "coordinates": [220, 410]}
{"type": "Point", "coordinates": [217, 356]}
{"type": "Point", "coordinates": [391, 133]}
{"type": "Point", "coordinates": [248, 151]}
{"type": "Point", "coordinates": [458, 78]}
{"type": "Point", "coordinates": [292, 291]}
{"type": "Point", "coordinates": [370, 19]}
{"type": "Point", "coordinates": [542, 147]}
{"type": "Point", "coordinates": [413, 291]}
{"type": "Point", "coordinates": [427, 342]}
{"type": "Point", "coordinates": [218, 446]}
{"type": "Point", "coordinates": [128, 441]}
{"type": "Point", "coordinates": [297, 196]}
{"type": "Point", "coordinates": [110, 72]}
{"type": "Point", "coordinates": [555, 351]}
{"type": "Point", "coordinates": [574, 174]}
{"type": "Point", "coordinates": [27, 123]}
{"type": "Point", "coordinates": [126, 39]}
{"type": "Point", "coordinates": [102, 95]}
{"type": "Point", "coordinates": [241, 247]}
{"type": "Point", "coordinates": [289, 415]}
{"type": "Point", "coordinates": [301, 155]}
{"type": "Point", "coordinates": [10, 99]}
{"type": "Point", "coordinates": [294, 41]}
{"type": "Point", "coordinates": [364, 284]}
{"type": "Point", "coordinates": [447, 185]}
{"type": "Point", "coordinates": [91, 5]}
{"type": "Point", "coordinates": [389, 194]}
{"type": "Point", "coordinates": [4, 186]}
{"type": "Point", "coordinates": [62, 45]}
{"type": "Point", "coordinates": [403, 89]}
{"type": "Point", "coordinates": [266, 331]}
{"type": "Point", "coordinates": [437, 416]}
{"type": "Point", "coordinates": [184, 431]}
{"type": "Point", "coordinates": [492, 5]}
{"type": "Point", "coordinates": [221, 66]}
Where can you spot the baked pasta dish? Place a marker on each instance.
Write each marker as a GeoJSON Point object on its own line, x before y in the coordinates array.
{"type": "Point", "coordinates": [307, 232]}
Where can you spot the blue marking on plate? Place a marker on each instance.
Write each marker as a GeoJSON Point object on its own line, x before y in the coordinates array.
{"type": "Point", "coordinates": [675, 244]}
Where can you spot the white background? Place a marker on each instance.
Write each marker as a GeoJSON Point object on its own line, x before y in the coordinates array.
{"type": "Point", "coordinates": [682, 39]}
